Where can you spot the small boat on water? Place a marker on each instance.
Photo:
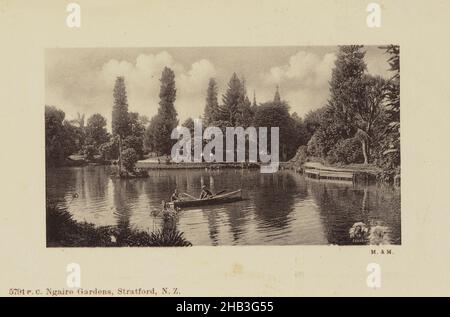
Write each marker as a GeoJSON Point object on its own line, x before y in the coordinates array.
{"type": "Point", "coordinates": [215, 199]}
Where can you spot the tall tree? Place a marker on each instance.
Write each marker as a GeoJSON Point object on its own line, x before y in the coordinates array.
{"type": "Point", "coordinates": [369, 111]}
{"type": "Point", "coordinates": [231, 100]}
{"type": "Point", "coordinates": [393, 101]}
{"type": "Point", "coordinates": [211, 112]}
{"type": "Point", "coordinates": [167, 96]}
{"type": "Point", "coordinates": [244, 116]}
{"type": "Point", "coordinates": [348, 93]}
{"type": "Point", "coordinates": [246, 113]}
{"type": "Point", "coordinates": [346, 85]}
{"type": "Point", "coordinates": [388, 151]}
{"type": "Point", "coordinates": [120, 120]}
{"type": "Point", "coordinates": [161, 126]}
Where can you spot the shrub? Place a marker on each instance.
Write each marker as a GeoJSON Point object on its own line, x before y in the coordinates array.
{"type": "Point", "coordinates": [301, 156]}
{"type": "Point", "coordinates": [346, 152]}
{"type": "Point", "coordinates": [168, 238]}
{"type": "Point", "coordinates": [64, 231]}
{"type": "Point", "coordinates": [129, 159]}
{"type": "Point", "coordinates": [136, 143]}
{"type": "Point", "coordinates": [90, 151]}
{"type": "Point", "coordinates": [314, 146]}
{"type": "Point", "coordinates": [109, 150]}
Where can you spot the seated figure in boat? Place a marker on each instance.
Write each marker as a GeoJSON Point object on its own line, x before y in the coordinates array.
{"type": "Point", "coordinates": [205, 193]}
{"type": "Point", "coordinates": [175, 196]}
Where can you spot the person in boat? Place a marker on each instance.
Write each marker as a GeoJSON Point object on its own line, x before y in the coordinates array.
{"type": "Point", "coordinates": [175, 196]}
{"type": "Point", "coordinates": [205, 193]}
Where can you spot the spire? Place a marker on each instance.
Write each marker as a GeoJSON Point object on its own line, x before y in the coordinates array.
{"type": "Point", "coordinates": [277, 98]}
{"type": "Point", "coordinates": [254, 99]}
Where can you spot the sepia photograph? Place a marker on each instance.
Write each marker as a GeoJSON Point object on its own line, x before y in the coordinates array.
{"type": "Point", "coordinates": [224, 155]}
{"type": "Point", "coordinates": [222, 146]}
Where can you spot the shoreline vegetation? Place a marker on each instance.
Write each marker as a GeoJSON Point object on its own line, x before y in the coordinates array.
{"type": "Point", "coordinates": [362, 172]}
{"type": "Point", "coordinates": [357, 128]}
{"type": "Point", "coordinates": [63, 231]}
{"type": "Point", "coordinates": [152, 165]}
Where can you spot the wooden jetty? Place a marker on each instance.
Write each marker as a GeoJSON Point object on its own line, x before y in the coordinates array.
{"type": "Point", "coordinates": [318, 171]}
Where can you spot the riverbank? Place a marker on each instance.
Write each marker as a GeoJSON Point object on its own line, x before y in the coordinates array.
{"type": "Point", "coordinates": [152, 164]}
{"type": "Point", "coordinates": [63, 231]}
{"type": "Point", "coordinates": [80, 161]}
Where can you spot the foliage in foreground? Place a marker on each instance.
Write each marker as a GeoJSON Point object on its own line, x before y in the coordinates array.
{"type": "Point", "coordinates": [64, 231]}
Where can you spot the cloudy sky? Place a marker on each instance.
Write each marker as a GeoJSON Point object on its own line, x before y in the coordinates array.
{"type": "Point", "coordinates": [81, 80]}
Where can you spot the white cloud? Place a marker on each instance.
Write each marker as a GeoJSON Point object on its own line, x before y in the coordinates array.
{"type": "Point", "coordinates": [196, 79]}
{"type": "Point", "coordinates": [303, 80]}
{"type": "Point", "coordinates": [142, 82]}
{"type": "Point", "coordinates": [304, 68]}
{"type": "Point", "coordinates": [142, 76]}
{"type": "Point", "coordinates": [323, 70]}
{"type": "Point", "coordinates": [304, 100]}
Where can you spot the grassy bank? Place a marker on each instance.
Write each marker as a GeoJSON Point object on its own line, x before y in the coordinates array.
{"type": "Point", "coordinates": [64, 231]}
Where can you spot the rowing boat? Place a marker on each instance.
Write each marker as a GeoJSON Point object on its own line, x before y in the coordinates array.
{"type": "Point", "coordinates": [217, 199]}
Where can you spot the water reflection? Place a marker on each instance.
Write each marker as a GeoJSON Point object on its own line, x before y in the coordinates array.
{"type": "Point", "coordinates": [371, 205]}
{"type": "Point", "coordinates": [279, 209]}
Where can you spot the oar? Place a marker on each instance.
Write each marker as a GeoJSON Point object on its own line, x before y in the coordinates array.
{"type": "Point", "coordinates": [221, 192]}
{"type": "Point", "coordinates": [190, 196]}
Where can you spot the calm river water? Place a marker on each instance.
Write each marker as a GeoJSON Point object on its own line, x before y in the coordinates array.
{"type": "Point", "coordinates": [279, 209]}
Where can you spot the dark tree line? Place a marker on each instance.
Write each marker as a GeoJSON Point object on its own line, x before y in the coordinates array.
{"type": "Point", "coordinates": [133, 135]}
{"type": "Point", "coordinates": [60, 137]}
{"type": "Point", "coordinates": [65, 138]}
{"type": "Point", "coordinates": [236, 110]}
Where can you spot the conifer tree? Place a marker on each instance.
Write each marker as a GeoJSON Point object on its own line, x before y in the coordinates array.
{"type": "Point", "coordinates": [161, 126]}
{"type": "Point", "coordinates": [120, 121]}
{"type": "Point", "coordinates": [211, 112]}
